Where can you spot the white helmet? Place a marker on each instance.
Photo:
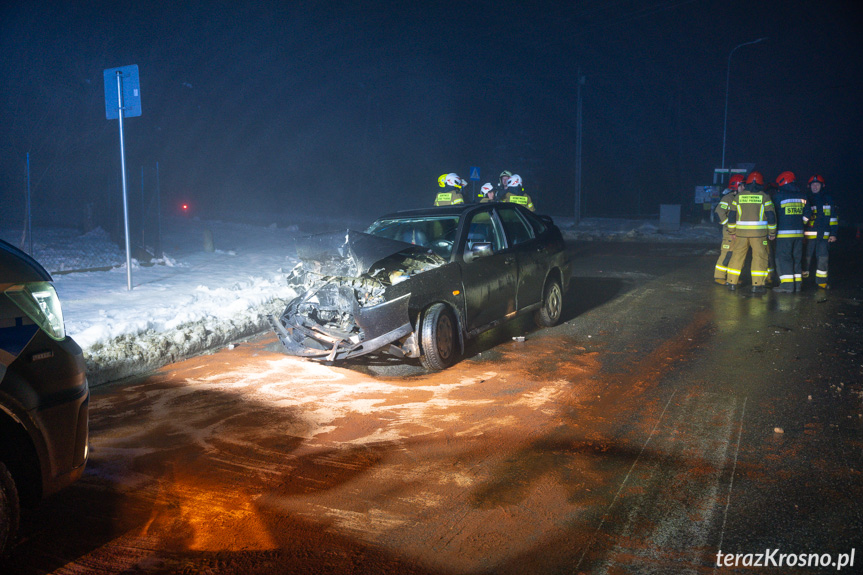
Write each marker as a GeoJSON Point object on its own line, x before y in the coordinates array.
{"type": "Point", "coordinates": [514, 181]}
{"type": "Point", "coordinates": [455, 181]}
{"type": "Point", "coordinates": [486, 188]}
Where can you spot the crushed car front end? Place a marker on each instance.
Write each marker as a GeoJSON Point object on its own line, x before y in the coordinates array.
{"type": "Point", "coordinates": [354, 296]}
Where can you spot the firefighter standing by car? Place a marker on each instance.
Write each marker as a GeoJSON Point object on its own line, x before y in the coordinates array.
{"type": "Point", "coordinates": [515, 193]}
{"type": "Point", "coordinates": [752, 221]}
{"type": "Point", "coordinates": [790, 204]}
{"type": "Point", "coordinates": [500, 187]}
{"type": "Point", "coordinates": [720, 272]}
{"type": "Point", "coordinates": [487, 193]}
{"type": "Point", "coordinates": [451, 194]}
{"type": "Point", "coordinates": [821, 230]}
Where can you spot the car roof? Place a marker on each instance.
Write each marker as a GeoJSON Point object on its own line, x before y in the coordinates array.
{"type": "Point", "coordinates": [18, 267]}
{"type": "Point", "coordinates": [456, 210]}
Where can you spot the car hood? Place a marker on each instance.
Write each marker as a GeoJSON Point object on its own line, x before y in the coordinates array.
{"type": "Point", "coordinates": [18, 267]}
{"type": "Point", "coordinates": [349, 253]}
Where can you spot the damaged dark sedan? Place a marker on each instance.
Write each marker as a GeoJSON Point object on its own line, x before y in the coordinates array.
{"type": "Point", "coordinates": [420, 283]}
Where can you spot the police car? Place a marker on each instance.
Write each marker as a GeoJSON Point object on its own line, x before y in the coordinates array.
{"type": "Point", "coordinates": [44, 396]}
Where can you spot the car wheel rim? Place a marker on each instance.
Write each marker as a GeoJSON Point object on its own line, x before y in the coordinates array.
{"type": "Point", "coordinates": [444, 337]}
{"type": "Point", "coordinates": [553, 305]}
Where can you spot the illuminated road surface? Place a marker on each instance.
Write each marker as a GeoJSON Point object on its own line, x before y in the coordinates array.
{"type": "Point", "coordinates": [666, 419]}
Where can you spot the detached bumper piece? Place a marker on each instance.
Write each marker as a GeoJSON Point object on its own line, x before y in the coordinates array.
{"type": "Point", "coordinates": [378, 327]}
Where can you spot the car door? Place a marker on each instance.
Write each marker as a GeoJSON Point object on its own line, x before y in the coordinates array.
{"type": "Point", "coordinates": [529, 253]}
{"type": "Point", "coordinates": [489, 281]}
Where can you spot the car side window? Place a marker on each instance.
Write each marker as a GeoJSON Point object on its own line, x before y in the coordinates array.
{"type": "Point", "coordinates": [516, 229]}
{"type": "Point", "coordinates": [482, 230]}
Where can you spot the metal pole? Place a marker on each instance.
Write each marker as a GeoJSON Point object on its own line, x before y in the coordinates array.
{"type": "Point", "coordinates": [123, 170]}
{"type": "Point", "coordinates": [29, 208]}
{"type": "Point", "coordinates": [727, 83]}
{"type": "Point", "coordinates": [158, 214]}
{"type": "Point", "coordinates": [143, 212]}
{"type": "Point", "coordinates": [578, 150]}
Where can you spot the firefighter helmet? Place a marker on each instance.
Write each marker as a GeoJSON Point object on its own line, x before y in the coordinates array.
{"type": "Point", "coordinates": [514, 181]}
{"type": "Point", "coordinates": [441, 181]}
{"type": "Point", "coordinates": [784, 178]}
{"type": "Point", "coordinates": [486, 188]}
{"type": "Point", "coordinates": [735, 181]}
{"type": "Point", "coordinates": [454, 180]}
{"type": "Point", "coordinates": [506, 173]}
{"type": "Point", "coordinates": [817, 178]}
{"type": "Point", "coordinates": [755, 177]}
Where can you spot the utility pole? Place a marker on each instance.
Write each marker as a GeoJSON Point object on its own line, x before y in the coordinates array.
{"type": "Point", "coordinates": [578, 130]}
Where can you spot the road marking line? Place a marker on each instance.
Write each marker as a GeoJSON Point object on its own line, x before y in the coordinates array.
{"type": "Point", "coordinates": [625, 479]}
{"type": "Point", "coordinates": [731, 481]}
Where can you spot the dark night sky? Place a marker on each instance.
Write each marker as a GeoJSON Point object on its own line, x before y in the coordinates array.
{"type": "Point", "coordinates": [359, 106]}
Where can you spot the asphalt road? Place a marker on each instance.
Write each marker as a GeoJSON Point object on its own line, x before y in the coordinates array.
{"type": "Point", "coordinates": [664, 421]}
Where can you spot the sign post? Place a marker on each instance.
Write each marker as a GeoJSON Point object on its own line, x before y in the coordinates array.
{"type": "Point", "coordinates": [123, 98]}
{"type": "Point", "coordinates": [474, 177]}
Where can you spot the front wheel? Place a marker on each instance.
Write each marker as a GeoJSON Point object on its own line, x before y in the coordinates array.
{"type": "Point", "coordinates": [552, 305]}
{"type": "Point", "coordinates": [9, 509]}
{"type": "Point", "coordinates": [438, 338]}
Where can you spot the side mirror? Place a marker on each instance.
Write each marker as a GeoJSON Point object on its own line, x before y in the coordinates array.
{"type": "Point", "coordinates": [479, 250]}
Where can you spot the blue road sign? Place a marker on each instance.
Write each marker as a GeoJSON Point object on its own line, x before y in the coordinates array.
{"type": "Point", "coordinates": [474, 174]}
{"type": "Point", "coordinates": [131, 92]}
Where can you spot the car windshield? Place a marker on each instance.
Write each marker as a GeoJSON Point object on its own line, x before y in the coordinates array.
{"type": "Point", "coordinates": [435, 232]}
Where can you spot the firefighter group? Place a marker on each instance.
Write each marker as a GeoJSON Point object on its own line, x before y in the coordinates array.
{"type": "Point", "coordinates": [794, 228]}
{"type": "Point", "coordinates": [509, 189]}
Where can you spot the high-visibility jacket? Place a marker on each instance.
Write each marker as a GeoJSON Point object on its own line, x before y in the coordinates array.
{"type": "Point", "coordinates": [791, 208]}
{"type": "Point", "coordinates": [522, 199]}
{"type": "Point", "coordinates": [824, 220]}
{"type": "Point", "coordinates": [449, 197]}
{"type": "Point", "coordinates": [752, 214]}
{"type": "Point", "coordinates": [723, 207]}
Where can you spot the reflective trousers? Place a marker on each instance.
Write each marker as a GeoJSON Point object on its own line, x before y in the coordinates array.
{"type": "Point", "coordinates": [789, 261]}
{"type": "Point", "coordinates": [817, 252]}
{"type": "Point", "coordinates": [720, 272]}
{"type": "Point", "coordinates": [740, 248]}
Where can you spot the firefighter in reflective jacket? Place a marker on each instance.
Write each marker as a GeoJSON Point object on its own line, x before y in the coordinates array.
{"type": "Point", "coordinates": [720, 272]}
{"type": "Point", "coordinates": [821, 229]}
{"type": "Point", "coordinates": [515, 193]}
{"type": "Point", "coordinates": [752, 221]}
{"type": "Point", "coordinates": [451, 194]}
{"type": "Point", "coordinates": [790, 204]}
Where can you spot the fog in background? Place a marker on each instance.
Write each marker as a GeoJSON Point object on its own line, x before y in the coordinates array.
{"type": "Point", "coordinates": [282, 108]}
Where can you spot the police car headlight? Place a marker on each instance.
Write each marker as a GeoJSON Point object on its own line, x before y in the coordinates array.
{"type": "Point", "coordinates": [40, 302]}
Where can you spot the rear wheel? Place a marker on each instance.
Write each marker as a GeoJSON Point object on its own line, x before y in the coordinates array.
{"type": "Point", "coordinates": [438, 338]}
{"type": "Point", "coordinates": [552, 305]}
{"type": "Point", "coordinates": [9, 509]}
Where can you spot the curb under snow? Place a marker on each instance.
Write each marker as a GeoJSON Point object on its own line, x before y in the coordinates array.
{"type": "Point", "coordinates": [135, 354]}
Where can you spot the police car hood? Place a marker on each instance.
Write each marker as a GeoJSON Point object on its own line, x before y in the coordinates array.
{"type": "Point", "coordinates": [349, 253]}
{"type": "Point", "coordinates": [18, 267]}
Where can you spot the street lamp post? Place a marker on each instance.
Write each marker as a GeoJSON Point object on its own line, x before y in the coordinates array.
{"type": "Point", "coordinates": [727, 78]}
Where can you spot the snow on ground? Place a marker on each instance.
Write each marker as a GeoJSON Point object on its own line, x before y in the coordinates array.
{"type": "Point", "coordinates": [192, 301]}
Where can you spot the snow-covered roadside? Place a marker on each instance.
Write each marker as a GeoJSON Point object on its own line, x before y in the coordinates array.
{"type": "Point", "coordinates": [193, 301]}
{"type": "Point", "coordinates": [190, 302]}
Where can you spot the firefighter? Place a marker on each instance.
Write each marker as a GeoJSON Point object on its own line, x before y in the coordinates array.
{"type": "Point", "coordinates": [515, 193]}
{"type": "Point", "coordinates": [790, 204]}
{"type": "Point", "coordinates": [821, 227]}
{"type": "Point", "coordinates": [720, 272]}
{"type": "Point", "coordinates": [487, 194]}
{"type": "Point", "coordinates": [500, 187]}
{"type": "Point", "coordinates": [451, 194]}
{"type": "Point", "coordinates": [752, 221]}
